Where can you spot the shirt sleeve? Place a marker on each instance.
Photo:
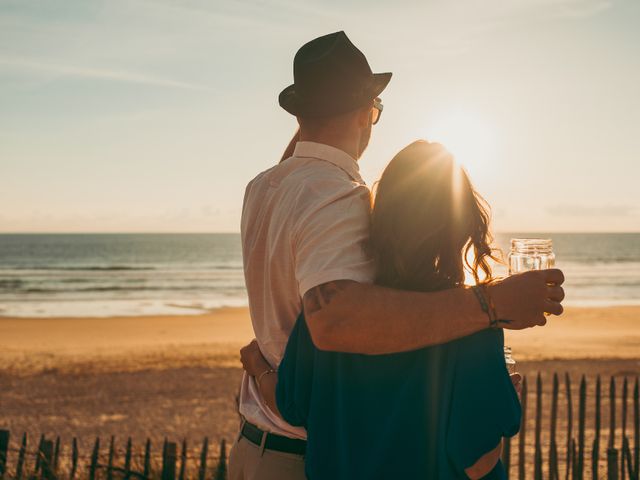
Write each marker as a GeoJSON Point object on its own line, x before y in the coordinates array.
{"type": "Point", "coordinates": [329, 243]}
{"type": "Point", "coordinates": [485, 406]}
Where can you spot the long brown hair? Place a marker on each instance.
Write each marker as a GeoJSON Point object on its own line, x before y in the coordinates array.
{"type": "Point", "coordinates": [426, 218]}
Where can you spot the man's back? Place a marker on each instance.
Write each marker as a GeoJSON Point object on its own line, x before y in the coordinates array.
{"type": "Point", "coordinates": [304, 223]}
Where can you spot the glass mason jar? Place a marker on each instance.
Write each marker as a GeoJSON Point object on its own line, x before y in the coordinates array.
{"type": "Point", "coordinates": [528, 254]}
{"type": "Point", "coordinates": [531, 254]}
{"type": "Point", "coordinates": [508, 358]}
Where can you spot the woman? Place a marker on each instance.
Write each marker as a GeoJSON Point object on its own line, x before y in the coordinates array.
{"type": "Point", "coordinates": [437, 412]}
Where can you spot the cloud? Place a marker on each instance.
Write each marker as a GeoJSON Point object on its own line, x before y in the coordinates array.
{"type": "Point", "coordinates": [600, 211]}
{"type": "Point", "coordinates": [555, 8]}
{"type": "Point", "coordinates": [97, 73]}
{"type": "Point", "coordinates": [576, 8]}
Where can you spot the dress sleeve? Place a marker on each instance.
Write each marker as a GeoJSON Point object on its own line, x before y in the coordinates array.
{"type": "Point", "coordinates": [295, 376]}
{"type": "Point", "coordinates": [485, 406]}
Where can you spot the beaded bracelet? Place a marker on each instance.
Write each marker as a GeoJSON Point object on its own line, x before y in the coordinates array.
{"type": "Point", "coordinates": [493, 316]}
{"type": "Point", "coordinates": [486, 303]}
{"type": "Point", "coordinates": [261, 376]}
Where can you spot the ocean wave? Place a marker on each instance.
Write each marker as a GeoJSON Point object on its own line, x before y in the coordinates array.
{"type": "Point", "coordinates": [603, 260]}
{"type": "Point", "coordinates": [11, 284]}
{"type": "Point", "coordinates": [97, 289]}
{"type": "Point", "coordinates": [90, 268]}
{"type": "Point", "coordinates": [111, 308]}
{"type": "Point", "coordinates": [116, 268]}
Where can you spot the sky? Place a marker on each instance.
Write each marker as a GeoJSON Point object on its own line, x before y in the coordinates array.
{"type": "Point", "coordinates": [151, 116]}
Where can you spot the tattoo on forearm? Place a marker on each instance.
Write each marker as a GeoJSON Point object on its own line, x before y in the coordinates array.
{"type": "Point", "coordinates": [319, 297]}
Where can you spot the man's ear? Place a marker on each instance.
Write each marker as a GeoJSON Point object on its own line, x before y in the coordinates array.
{"type": "Point", "coordinates": [364, 116]}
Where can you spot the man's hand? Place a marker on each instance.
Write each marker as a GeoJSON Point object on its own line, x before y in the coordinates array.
{"type": "Point", "coordinates": [522, 300]}
{"type": "Point", "coordinates": [252, 359]}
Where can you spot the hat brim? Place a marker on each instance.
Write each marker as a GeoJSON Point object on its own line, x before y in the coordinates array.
{"type": "Point", "coordinates": [293, 104]}
{"type": "Point", "coordinates": [380, 82]}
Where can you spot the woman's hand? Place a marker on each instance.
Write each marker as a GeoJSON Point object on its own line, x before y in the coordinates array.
{"type": "Point", "coordinates": [516, 379]}
{"type": "Point", "coordinates": [255, 364]}
{"type": "Point", "coordinates": [252, 359]}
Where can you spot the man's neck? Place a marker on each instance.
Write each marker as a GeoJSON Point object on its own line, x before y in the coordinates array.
{"type": "Point", "coordinates": [347, 145]}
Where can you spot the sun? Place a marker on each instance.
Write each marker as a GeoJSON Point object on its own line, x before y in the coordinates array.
{"type": "Point", "coordinates": [468, 136]}
{"type": "Point", "coordinates": [471, 138]}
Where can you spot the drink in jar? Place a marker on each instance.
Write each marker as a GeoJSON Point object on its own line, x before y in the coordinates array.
{"type": "Point", "coordinates": [508, 359]}
{"type": "Point", "coordinates": [531, 254]}
{"type": "Point", "coordinates": [528, 254]}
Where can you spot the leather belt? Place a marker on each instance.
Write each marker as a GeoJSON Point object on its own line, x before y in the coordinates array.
{"type": "Point", "coordinates": [275, 442]}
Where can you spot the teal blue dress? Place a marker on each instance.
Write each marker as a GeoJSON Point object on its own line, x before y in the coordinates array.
{"type": "Point", "coordinates": [424, 414]}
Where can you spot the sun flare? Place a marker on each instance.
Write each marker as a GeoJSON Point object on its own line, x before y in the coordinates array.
{"type": "Point", "coordinates": [468, 136]}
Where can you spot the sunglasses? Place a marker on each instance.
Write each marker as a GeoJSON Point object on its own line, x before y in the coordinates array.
{"type": "Point", "coordinates": [376, 111]}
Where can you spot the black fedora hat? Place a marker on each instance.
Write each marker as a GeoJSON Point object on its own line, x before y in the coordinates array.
{"type": "Point", "coordinates": [331, 76]}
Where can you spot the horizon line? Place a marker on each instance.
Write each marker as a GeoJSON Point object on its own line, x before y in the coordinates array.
{"type": "Point", "coordinates": [501, 232]}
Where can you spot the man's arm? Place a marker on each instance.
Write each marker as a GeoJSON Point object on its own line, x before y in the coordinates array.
{"type": "Point", "coordinates": [348, 316]}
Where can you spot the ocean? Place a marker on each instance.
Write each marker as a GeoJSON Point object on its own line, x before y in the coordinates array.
{"type": "Point", "coordinates": [43, 275]}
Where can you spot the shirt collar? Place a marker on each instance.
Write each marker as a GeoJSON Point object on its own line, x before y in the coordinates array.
{"type": "Point", "coordinates": [330, 154]}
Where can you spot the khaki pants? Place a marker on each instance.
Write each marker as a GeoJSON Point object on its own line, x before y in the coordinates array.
{"type": "Point", "coordinates": [248, 461]}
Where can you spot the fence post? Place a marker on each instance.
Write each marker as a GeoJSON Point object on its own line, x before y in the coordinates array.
{"type": "Point", "coordinates": [56, 455]}
{"type": "Point", "coordinates": [74, 458]}
{"type": "Point", "coordinates": [506, 455]}
{"type": "Point", "coordinates": [183, 459]}
{"type": "Point", "coordinates": [46, 471]}
{"type": "Point", "coordinates": [164, 448]}
{"type": "Point", "coordinates": [574, 460]}
{"type": "Point", "coordinates": [582, 406]}
{"type": "Point", "coordinates": [94, 459]}
{"type": "Point", "coordinates": [221, 471]}
{"type": "Point", "coordinates": [21, 454]}
{"type": "Point", "coordinates": [569, 454]}
{"type": "Point", "coordinates": [636, 428]}
{"type": "Point", "coordinates": [4, 448]}
{"type": "Point", "coordinates": [147, 458]}
{"type": "Point", "coordinates": [169, 461]}
{"type": "Point", "coordinates": [623, 422]}
{"type": "Point", "coordinates": [612, 453]}
{"type": "Point", "coordinates": [110, 458]}
{"type": "Point", "coordinates": [127, 460]}
{"type": "Point", "coordinates": [537, 460]}
{"type": "Point", "coordinates": [202, 471]}
{"type": "Point", "coordinates": [523, 433]}
{"type": "Point", "coordinates": [626, 459]}
{"type": "Point", "coordinates": [595, 452]}
{"type": "Point", "coordinates": [553, 446]}
{"type": "Point", "coordinates": [38, 457]}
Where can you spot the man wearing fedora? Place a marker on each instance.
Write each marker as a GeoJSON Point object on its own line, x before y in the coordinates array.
{"type": "Point", "coordinates": [304, 225]}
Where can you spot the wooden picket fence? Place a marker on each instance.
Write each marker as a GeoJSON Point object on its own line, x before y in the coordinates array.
{"type": "Point", "coordinates": [566, 452]}
{"type": "Point", "coordinates": [566, 444]}
{"type": "Point", "coordinates": [45, 462]}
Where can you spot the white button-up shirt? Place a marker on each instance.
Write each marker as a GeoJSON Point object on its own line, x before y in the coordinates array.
{"type": "Point", "coordinates": [304, 223]}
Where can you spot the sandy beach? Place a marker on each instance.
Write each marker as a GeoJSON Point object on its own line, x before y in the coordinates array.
{"type": "Point", "coordinates": [32, 345]}
{"type": "Point", "coordinates": [177, 376]}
